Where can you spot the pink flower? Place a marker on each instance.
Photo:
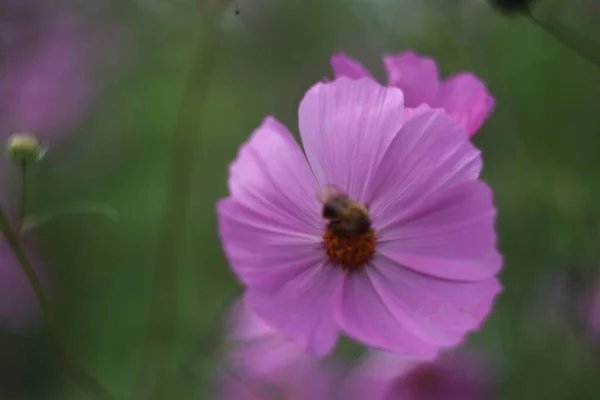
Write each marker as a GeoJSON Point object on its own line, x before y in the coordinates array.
{"type": "Point", "coordinates": [307, 384]}
{"type": "Point", "coordinates": [45, 90]}
{"type": "Point", "coordinates": [594, 316]}
{"type": "Point", "coordinates": [52, 60]}
{"type": "Point", "coordinates": [262, 363]}
{"type": "Point", "coordinates": [463, 96]}
{"type": "Point", "coordinates": [19, 307]}
{"type": "Point", "coordinates": [568, 300]}
{"type": "Point", "coordinates": [257, 347]}
{"type": "Point", "coordinates": [385, 376]}
{"type": "Point", "coordinates": [413, 273]}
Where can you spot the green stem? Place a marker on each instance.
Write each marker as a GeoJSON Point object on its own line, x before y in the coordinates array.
{"type": "Point", "coordinates": [15, 245]}
{"type": "Point", "coordinates": [585, 47]}
{"type": "Point", "coordinates": [12, 238]}
{"type": "Point", "coordinates": [23, 202]}
{"type": "Point", "coordinates": [163, 314]}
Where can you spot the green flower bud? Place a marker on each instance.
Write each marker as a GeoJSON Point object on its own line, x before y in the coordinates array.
{"type": "Point", "coordinates": [25, 147]}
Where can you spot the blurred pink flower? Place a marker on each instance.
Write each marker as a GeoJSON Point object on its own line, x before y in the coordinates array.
{"type": "Point", "coordinates": [19, 308]}
{"type": "Point", "coordinates": [569, 300]}
{"type": "Point", "coordinates": [385, 376]}
{"type": "Point", "coordinates": [419, 279]}
{"type": "Point", "coordinates": [594, 317]}
{"type": "Point", "coordinates": [306, 384]}
{"type": "Point", "coordinates": [463, 96]}
{"type": "Point", "coordinates": [259, 348]}
{"type": "Point", "coordinates": [50, 56]}
{"type": "Point", "coordinates": [263, 363]}
{"type": "Point", "coordinates": [46, 89]}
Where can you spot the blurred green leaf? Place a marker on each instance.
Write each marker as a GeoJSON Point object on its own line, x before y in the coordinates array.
{"type": "Point", "coordinates": [85, 208]}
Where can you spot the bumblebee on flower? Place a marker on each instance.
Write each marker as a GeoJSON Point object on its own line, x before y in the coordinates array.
{"type": "Point", "coordinates": [382, 231]}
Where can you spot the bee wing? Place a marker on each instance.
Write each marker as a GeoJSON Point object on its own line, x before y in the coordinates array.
{"type": "Point", "coordinates": [328, 192]}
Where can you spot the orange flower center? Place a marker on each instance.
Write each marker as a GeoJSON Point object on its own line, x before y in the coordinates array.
{"type": "Point", "coordinates": [351, 253]}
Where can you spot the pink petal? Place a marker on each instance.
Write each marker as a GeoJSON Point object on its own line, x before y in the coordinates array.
{"type": "Point", "coordinates": [346, 127]}
{"type": "Point", "coordinates": [270, 226]}
{"type": "Point", "coordinates": [301, 309]}
{"type": "Point", "coordinates": [271, 169]}
{"type": "Point", "coordinates": [453, 239]}
{"type": "Point", "coordinates": [428, 156]}
{"type": "Point", "coordinates": [261, 349]}
{"type": "Point", "coordinates": [343, 65]}
{"type": "Point", "coordinates": [466, 99]}
{"type": "Point", "coordinates": [427, 209]}
{"type": "Point", "coordinates": [261, 248]}
{"type": "Point", "coordinates": [365, 314]}
{"type": "Point", "coordinates": [438, 311]}
{"type": "Point", "coordinates": [417, 76]}
{"type": "Point", "coordinates": [244, 325]}
{"type": "Point", "coordinates": [314, 382]}
{"type": "Point", "coordinates": [237, 385]}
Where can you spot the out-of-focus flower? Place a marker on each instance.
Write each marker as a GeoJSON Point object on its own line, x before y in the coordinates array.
{"type": "Point", "coordinates": [312, 383]}
{"type": "Point", "coordinates": [412, 273]}
{"type": "Point", "coordinates": [571, 300]}
{"type": "Point", "coordinates": [454, 376]}
{"type": "Point", "coordinates": [463, 96]}
{"type": "Point", "coordinates": [594, 315]}
{"type": "Point", "coordinates": [261, 363]}
{"type": "Point", "coordinates": [19, 308]}
{"type": "Point", "coordinates": [50, 57]}
{"type": "Point", "coordinates": [258, 347]}
{"type": "Point", "coordinates": [46, 89]}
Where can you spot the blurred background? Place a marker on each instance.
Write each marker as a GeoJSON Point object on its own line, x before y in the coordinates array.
{"type": "Point", "coordinates": [102, 83]}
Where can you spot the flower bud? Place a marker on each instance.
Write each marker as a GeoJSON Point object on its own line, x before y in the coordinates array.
{"type": "Point", "coordinates": [24, 147]}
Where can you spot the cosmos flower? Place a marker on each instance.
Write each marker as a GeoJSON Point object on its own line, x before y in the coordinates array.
{"type": "Point", "coordinates": [262, 363]}
{"type": "Point", "coordinates": [454, 376]}
{"type": "Point", "coordinates": [463, 96]}
{"type": "Point", "coordinates": [408, 267]}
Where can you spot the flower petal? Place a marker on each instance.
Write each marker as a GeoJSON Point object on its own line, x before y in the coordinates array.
{"type": "Point", "coordinates": [270, 226]}
{"type": "Point", "coordinates": [271, 170]}
{"type": "Point", "coordinates": [363, 314]}
{"type": "Point", "coordinates": [417, 76]}
{"type": "Point", "coordinates": [346, 126]}
{"type": "Point", "coordinates": [301, 309]}
{"type": "Point", "coordinates": [343, 65]}
{"type": "Point", "coordinates": [466, 100]}
{"type": "Point", "coordinates": [261, 349]}
{"type": "Point", "coordinates": [428, 156]}
{"type": "Point", "coordinates": [438, 311]}
{"type": "Point", "coordinates": [452, 239]}
{"type": "Point", "coordinates": [427, 208]}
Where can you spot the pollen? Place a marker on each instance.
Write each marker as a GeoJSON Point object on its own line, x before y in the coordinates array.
{"type": "Point", "coordinates": [350, 253]}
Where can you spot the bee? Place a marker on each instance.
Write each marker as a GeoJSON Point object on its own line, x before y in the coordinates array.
{"type": "Point", "coordinates": [346, 217]}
